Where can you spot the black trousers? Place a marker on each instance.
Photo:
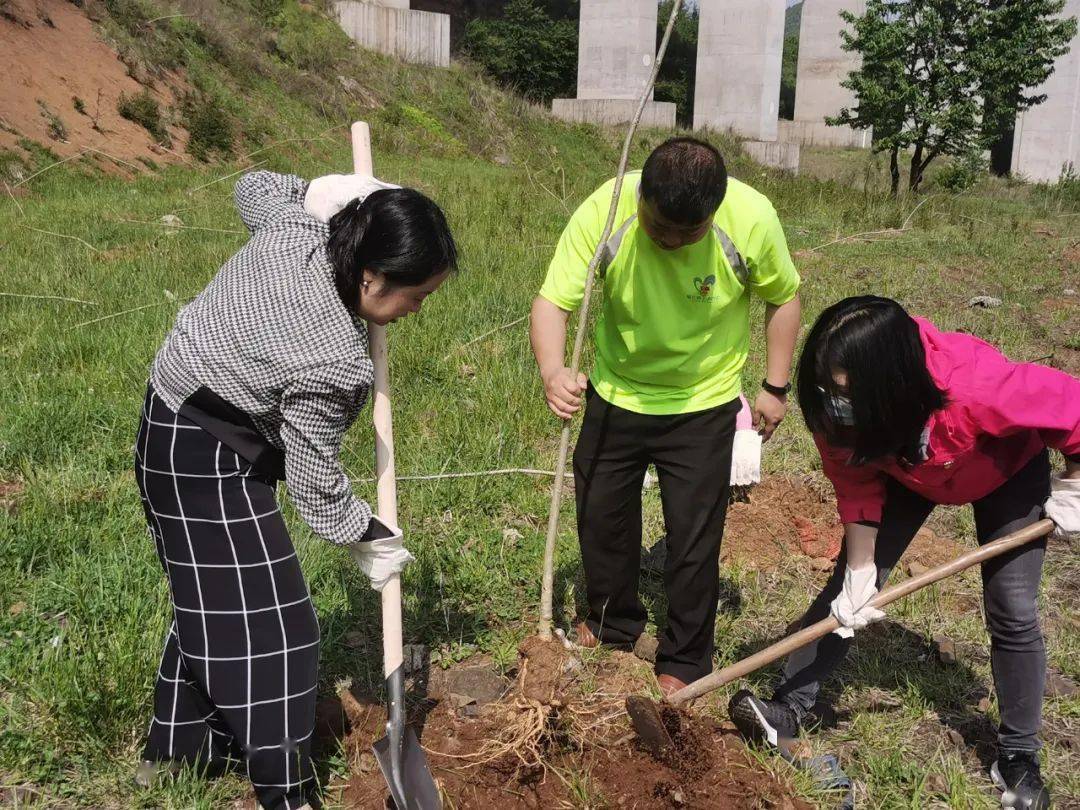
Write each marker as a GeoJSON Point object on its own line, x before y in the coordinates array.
{"type": "Point", "coordinates": [692, 454]}
{"type": "Point", "coordinates": [239, 671]}
{"type": "Point", "coordinates": [1010, 589]}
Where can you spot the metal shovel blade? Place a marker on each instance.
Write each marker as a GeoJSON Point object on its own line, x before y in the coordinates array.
{"type": "Point", "coordinates": [411, 785]}
{"type": "Point", "coordinates": [400, 757]}
{"type": "Point", "coordinates": [649, 725]}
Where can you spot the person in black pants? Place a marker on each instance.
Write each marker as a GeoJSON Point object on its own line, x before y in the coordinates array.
{"type": "Point", "coordinates": [690, 247]}
{"type": "Point", "coordinates": [907, 416]}
{"type": "Point", "coordinates": [258, 381]}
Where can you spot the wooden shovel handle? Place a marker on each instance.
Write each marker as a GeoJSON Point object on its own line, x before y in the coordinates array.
{"type": "Point", "coordinates": [889, 595]}
{"type": "Point", "coordinates": [384, 437]}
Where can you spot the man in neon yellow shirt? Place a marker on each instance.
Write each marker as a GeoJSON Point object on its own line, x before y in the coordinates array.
{"type": "Point", "coordinates": [672, 337]}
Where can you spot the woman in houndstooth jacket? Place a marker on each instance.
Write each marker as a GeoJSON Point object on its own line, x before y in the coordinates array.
{"type": "Point", "coordinates": [258, 381]}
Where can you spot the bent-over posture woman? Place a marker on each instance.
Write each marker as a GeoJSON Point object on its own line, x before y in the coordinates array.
{"type": "Point", "coordinates": [907, 416]}
{"type": "Point", "coordinates": [257, 382]}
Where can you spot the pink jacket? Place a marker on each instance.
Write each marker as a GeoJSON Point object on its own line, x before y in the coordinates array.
{"type": "Point", "coordinates": [999, 416]}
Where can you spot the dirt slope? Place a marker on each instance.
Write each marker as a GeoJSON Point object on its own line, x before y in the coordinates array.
{"type": "Point", "coordinates": [52, 53]}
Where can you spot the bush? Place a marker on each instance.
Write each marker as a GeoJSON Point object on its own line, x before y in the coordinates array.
{"type": "Point", "coordinates": [961, 174]}
{"type": "Point", "coordinates": [209, 128]}
{"type": "Point", "coordinates": [142, 109]}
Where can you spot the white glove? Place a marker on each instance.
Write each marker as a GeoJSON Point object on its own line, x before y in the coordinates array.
{"type": "Point", "coordinates": [746, 458]}
{"type": "Point", "coordinates": [851, 607]}
{"type": "Point", "coordinates": [383, 556]}
{"type": "Point", "coordinates": [1063, 507]}
{"type": "Point", "coordinates": [328, 195]}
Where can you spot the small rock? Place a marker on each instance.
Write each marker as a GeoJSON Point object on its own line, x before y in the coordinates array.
{"type": "Point", "coordinates": [471, 710]}
{"type": "Point", "coordinates": [916, 568]}
{"type": "Point", "coordinates": [480, 684]}
{"type": "Point", "coordinates": [822, 564]}
{"type": "Point", "coordinates": [650, 480]}
{"type": "Point", "coordinates": [645, 647]}
{"type": "Point", "coordinates": [955, 737]}
{"type": "Point", "coordinates": [1059, 686]}
{"type": "Point", "coordinates": [985, 302]}
{"type": "Point", "coordinates": [172, 223]}
{"type": "Point", "coordinates": [415, 658]}
{"type": "Point", "coordinates": [678, 798]}
{"type": "Point", "coordinates": [945, 648]}
{"type": "Point", "coordinates": [1068, 291]}
{"type": "Point", "coordinates": [17, 608]}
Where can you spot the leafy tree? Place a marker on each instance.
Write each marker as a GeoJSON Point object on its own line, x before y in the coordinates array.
{"type": "Point", "coordinates": [527, 50]}
{"type": "Point", "coordinates": [939, 77]}
{"type": "Point", "coordinates": [789, 72]}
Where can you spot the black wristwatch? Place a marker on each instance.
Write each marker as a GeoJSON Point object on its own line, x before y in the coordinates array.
{"type": "Point", "coordinates": [776, 390]}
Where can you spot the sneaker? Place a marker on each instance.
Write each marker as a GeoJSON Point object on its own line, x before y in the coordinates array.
{"type": "Point", "coordinates": [764, 721]}
{"type": "Point", "coordinates": [1016, 774]}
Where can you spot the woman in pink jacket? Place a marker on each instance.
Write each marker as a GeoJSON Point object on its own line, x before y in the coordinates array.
{"type": "Point", "coordinates": [906, 417]}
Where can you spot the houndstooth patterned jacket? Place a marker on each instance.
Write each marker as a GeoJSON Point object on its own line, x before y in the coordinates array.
{"type": "Point", "coordinates": [270, 335]}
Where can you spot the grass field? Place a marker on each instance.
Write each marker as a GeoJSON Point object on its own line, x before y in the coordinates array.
{"type": "Point", "coordinates": [92, 281]}
{"type": "Point", "coordinates": [84, 601]}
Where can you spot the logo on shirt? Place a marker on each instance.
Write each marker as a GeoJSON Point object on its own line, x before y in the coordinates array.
{"type": "Point", "coordinates": [704, 286]}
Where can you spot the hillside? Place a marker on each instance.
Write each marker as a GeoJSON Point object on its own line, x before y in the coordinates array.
{"type": "Point", "coordinates": [98, 256]}
{"type": "Point", "coordinates": [216, 80]}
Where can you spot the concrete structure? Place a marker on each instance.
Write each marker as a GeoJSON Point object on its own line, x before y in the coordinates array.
{"type": "Point", "coordinates": [823, 64]}
{"type": "Point", "coordinates": [616, 49]}
{"type": "Point", "coordinates": [740, 50]}
{"type": "Point", "coordinates": [390, 27]}
{"type": "Point", "coordinates": [777, 154]}
{"type": "Point", "coordinates": [740, 53]}
{"type": "Point", "coordinates": [1047, 138]}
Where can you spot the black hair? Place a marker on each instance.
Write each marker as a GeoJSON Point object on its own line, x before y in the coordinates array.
{"type": "Point", "coordinates": [398, 233]}
{"type": "Point", "coordinates": [892, 394]}
{"type": "Point", "coordinates": [685, 178]}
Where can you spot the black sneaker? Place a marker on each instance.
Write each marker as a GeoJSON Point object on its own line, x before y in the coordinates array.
{"type": "Point", "coordinates": [1017, 776]}
{"type": "Point", "coordinates": [764, 721]}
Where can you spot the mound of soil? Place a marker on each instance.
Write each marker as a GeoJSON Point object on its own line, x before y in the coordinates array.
{"type": "Point", "coordinates": [62, 84]}
{"type": "Point", "coordinates": [606, 766]}
{"type": "Point", "coordinates": [785, 516]}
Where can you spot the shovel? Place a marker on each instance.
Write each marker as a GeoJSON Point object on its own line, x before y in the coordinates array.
{"type": "Point", "coordinates": [399, 754]}
{"type": "Point", "coordinates": [647, 716]}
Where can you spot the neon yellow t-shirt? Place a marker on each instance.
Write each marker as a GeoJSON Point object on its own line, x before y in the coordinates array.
{"type": "Point", "coordinates": [673, 332]}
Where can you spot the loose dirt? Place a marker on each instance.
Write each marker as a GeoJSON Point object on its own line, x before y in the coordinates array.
{"type": "Point", "coordinates": [52, 53]}
{"type": "Point", "coordinates": [786, 516]}
{"type": "Point", "coordinates": [589, 754]}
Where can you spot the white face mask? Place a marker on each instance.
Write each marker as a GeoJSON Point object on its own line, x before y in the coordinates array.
{"type": "Point", "coordinates": [839, 408]}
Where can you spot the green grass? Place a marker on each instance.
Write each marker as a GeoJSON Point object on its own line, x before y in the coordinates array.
{"type": "Point", "coordinates": [77, 659]}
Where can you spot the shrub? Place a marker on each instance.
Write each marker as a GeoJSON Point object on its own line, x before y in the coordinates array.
{"type": "Point", "coordinates": [961, 174]}
{"type": "Point", "coordinates": [209, 128]}
{"type": "Point", "coordinates": [142, 109]}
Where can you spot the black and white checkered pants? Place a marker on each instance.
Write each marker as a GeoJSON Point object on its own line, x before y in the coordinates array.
{"type": "Point", "coordinates": [239, 672]}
